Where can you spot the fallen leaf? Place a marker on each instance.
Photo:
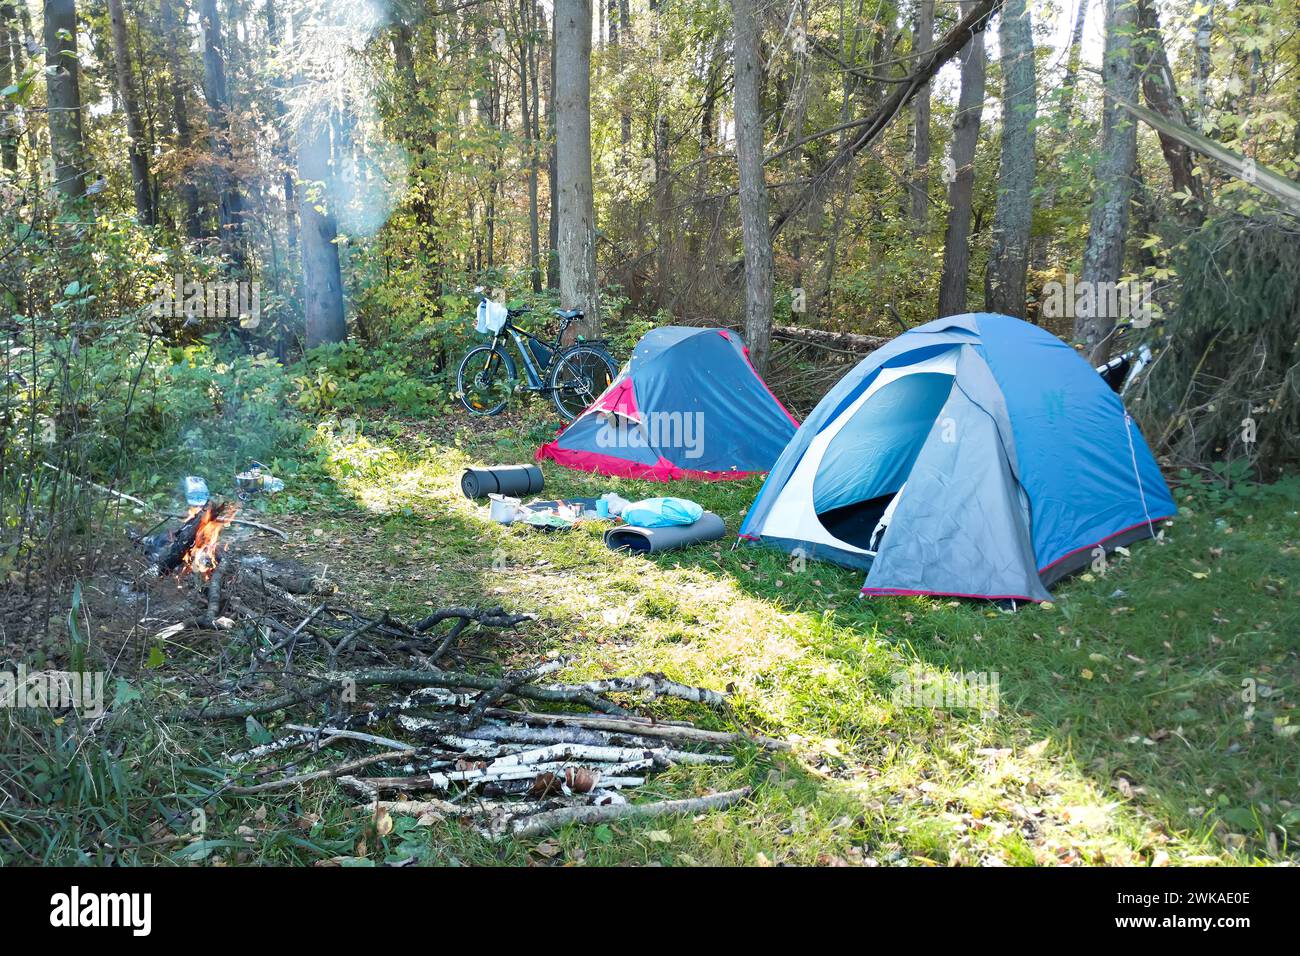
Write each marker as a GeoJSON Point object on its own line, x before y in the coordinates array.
{"type": "Point", "coordinates": [548, 848]}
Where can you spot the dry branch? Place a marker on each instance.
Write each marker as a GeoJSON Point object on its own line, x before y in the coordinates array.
{"type": "Point", "coordinates": [336, 771]}
{"type": "Point", "coordinates": [837, 341]}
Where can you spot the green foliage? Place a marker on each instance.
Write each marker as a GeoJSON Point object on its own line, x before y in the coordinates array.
{"type": "Point", "coordinates": [346, 375]}
{"type": "Point", "coordinates": [1228, 384]}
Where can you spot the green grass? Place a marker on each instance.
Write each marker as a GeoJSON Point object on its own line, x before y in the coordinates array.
{"type": "Point", "coordinates": [1123, 734]}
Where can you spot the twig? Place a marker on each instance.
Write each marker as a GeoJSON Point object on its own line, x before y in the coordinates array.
{"type": "Point", "coordinates": [506, 685]}
{"type": "Point", "coordinates": [334, 733]}
{"type": "Point", "coordinates": [335, 771]}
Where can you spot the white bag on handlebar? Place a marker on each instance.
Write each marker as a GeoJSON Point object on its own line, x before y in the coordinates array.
{"type": "Point", "coordinates": [491, 317]}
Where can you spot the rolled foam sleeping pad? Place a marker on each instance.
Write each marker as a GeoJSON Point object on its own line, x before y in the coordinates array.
{"type": "Point", "coordinates": [513, 480]}
{"type": "Point", "coordinates": [655, 540]}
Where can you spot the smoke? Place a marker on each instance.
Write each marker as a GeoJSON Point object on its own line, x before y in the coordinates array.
{"type": "Point", "coordinates": [332, 87]}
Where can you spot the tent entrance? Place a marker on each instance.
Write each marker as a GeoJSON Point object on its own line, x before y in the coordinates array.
{"type": "Point", "coordinates": [855, 524]}
{"type": "Point", "coordinates": [858, 462]}
{"type": "Point", "coordinates": [867, 462]}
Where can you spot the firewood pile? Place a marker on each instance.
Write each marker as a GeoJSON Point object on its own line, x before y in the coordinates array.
{"type": "Point", "coordinates": [428, 732]}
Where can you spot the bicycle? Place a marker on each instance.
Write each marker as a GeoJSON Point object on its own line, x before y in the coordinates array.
{"type": "Point", "coordinates": [572, 376]}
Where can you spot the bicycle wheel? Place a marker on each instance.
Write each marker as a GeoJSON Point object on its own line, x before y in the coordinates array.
{"type": "Point", "coordinates": [580, 375]}
{"type": "Point", "coordinates": [485, 379]}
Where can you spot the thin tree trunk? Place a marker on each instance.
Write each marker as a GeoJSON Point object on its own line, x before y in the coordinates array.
{"type": "Point", "coordinates": [8, 52]}
{"type": "Point", "coordinates": [62, 70]}
{"type": "Point", "coordinates": [321, 278]}
{"type": "Point", "coordinates": [754, 222]}
{"type": "Point", "coordinates": [136, 148]}
{"type": "Point", "coordinates": [665, 235]}
{"type": "Point", "coordinates": [231, 216]}
{"type": "Point", "coordinates": [176, 42]}
{"type": "Point", "coordinates": [625, 119]}
{"type": "Point", "coordinates": [965, 137]}
{"type": "Point", "coordinates": [1071, 79]}
{"type": "Point", "coordinates": [1204, 32]}
{"type": "Point", "coordinates": [1103, 259]}
{"type": "Point", "coordinates": [1161, 95]}
{"type": "Point", "coordinates": [577, 216]}
{"type": "Point", "coordinates": [1004, 281]}
{"type": "Point", "coordinates": [919, 187]}
{"type": "Point", "coordinates": [24, 42]}
{"type": "Point", "coordinates": [1047, 200]}
{"type": "Point", "coordinates": [528, 104]}
{"type": "Point", "coordinates": [283, 148]}
{"type": "Point", "coordinates": [552, 177]}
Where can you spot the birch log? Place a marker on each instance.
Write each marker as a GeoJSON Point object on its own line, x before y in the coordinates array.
{"type": "Point", "coordinates": [545, 822]}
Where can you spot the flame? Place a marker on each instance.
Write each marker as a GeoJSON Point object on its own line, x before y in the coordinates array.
{"type": "Point", "coordinates": [203, 555]}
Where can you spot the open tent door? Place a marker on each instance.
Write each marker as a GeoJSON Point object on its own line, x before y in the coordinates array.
{"type": "Point", "coordinates": [858, 462]}
{"type": "Point", "coordinates": [962, 524]}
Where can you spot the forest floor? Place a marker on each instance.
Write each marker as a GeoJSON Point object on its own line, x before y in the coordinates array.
{"type": "Point", "coordinates": [1145, 716]}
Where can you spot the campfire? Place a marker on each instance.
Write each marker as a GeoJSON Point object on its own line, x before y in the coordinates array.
{"type": "Point", "coordinates": [194, 547]}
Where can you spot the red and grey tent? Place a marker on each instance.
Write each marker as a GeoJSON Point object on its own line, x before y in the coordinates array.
{"type": "Point", "coordinates": [688, 404]}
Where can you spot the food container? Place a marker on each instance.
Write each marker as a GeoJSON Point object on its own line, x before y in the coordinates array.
{"type": "Point", "coordinates": [502, 509]}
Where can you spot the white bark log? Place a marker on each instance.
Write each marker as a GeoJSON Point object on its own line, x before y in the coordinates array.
{"type": "Point", "coordinates": [545, 822]}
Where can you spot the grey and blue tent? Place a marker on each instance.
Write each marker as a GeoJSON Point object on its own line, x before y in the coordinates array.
{"type": "Point", "coordinates": [974, 456]}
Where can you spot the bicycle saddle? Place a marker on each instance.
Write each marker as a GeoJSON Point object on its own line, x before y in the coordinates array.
{"type": "Point", "coordinates": [569, 313]}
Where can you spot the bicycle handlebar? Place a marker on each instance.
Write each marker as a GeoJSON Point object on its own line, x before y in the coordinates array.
{"type": "Point", "coordinates": [567, 317]}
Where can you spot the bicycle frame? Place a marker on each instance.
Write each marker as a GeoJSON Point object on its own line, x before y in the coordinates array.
{"type": "Point", "coordinates": [522, 338]}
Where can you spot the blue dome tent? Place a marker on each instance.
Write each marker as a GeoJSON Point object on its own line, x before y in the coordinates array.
{"type": "Point", "coordinates": [688, 404]}
{"type": "Point", "coordinates": [973, 456]}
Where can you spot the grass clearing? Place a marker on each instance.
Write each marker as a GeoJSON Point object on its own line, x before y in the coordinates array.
{"type": "Point", "coordinates": [1145, 716]}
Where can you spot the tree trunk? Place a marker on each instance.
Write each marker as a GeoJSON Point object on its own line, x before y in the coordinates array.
{"type": "Point", "coordinates": [965, 137]}
{"type": "Point", "coordinates": [529, 104]}
{"type": "Point", "coordinates": [1004, 281]}
{"type": "Point", "coordinates": [1071, 79]}
{"type": "Point", "coordinates": [322, 281]}
{"type": "Point", "coordinates": [136, 148]}
{"type": "Point", "coordinates": [625, 119]}
{"type": "Point", "coordinates": [231, 215]}
{"type": "Point", "coordinates": [922, 40]}
{"type": "Point", "coordinates": [754, 223]}
{"type": "Point", "coordinates": [283, 148]}
{"type": "Point", "coordinates": [1161, 95]}
{"type": "Point", "coordinates": [1103, 259]}
{"type": "Point", "coordinates": [665, 234]}
{"type": "Point", "coordinates": [62, 70]}
{"type": "Point", "coordinates": [576, 247]}
{"type": "Point", "coordinates": [8, 53]}
{"type": "Point", "coordinates": [177, 41]}
{"type": "Point", "coordinates": [553, 220]}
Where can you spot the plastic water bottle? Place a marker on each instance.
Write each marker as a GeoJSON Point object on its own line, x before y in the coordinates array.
{"type": "Point", "coordinates": [196, 491]}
